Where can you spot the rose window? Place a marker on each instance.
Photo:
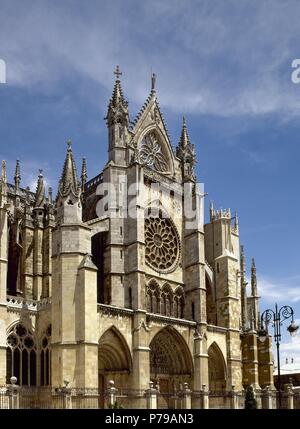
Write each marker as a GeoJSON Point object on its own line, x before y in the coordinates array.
{"type": "Point", "coordinates": [162, 243]}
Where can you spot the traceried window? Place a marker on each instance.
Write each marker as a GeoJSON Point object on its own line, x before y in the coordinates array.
{"type": "Point", "coordinates": [162, 243]}
{"type": "Point", "coordinates": [45, 365]}
{"type": "Point", "coordinates": [21, 356]}
{"type": "Point", "coordinates": [151, 153]}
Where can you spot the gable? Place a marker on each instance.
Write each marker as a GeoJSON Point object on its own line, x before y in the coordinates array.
{"type": "Point", "coordinates": [152, 140]}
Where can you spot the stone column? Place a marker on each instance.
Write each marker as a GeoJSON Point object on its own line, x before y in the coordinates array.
{"type": "Point", "coordinates": [250, 359]}
{"type": "Point", "coordinates": [111, 394]}
{"type": "Point", "coordinates": [151, 395]}
{"type": "Point", "coordinates": [234, 399]}
{"type": "Point", "coordinates": [288, 388]}
{"type": "Point", "coordinates": [267, 398]}
{"type": "Point", "coordinates": [13, 393]}
{"type": "Point", "coordinates": [258, 397]}
{"type": "Point", "coordinates": [205, 397]}
{"type": "Point", "coordinates": [186, 394]}
{"type": "Point", "coordinates": [265, 362]}
{"type": "Point", "coordinates": [141, 356]}
{"type": "Point", "coordinates": [38, 260]}
{"type": "Point", "coordinates": [67, 399]}
{"type": "Point", "coordinates": [200, 363]}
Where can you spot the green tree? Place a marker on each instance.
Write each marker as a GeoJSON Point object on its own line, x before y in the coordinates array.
{"type": "Point", "coordinates": [250, 401]}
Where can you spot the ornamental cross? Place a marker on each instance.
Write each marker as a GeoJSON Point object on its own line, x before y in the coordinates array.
{"type": "Point", "coordinates": [117, 72]}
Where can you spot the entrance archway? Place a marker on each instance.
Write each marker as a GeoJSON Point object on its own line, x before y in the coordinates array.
{"type": "Point", "coordinates": [171, 364]}
{"type": "Point", "coordinates": [114, 361]}
{"type": "Point", "coordinates": [216, 369]}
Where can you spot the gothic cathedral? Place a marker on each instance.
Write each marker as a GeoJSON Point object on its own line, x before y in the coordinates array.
{"type": "Point", "coordinates": [91, 293]}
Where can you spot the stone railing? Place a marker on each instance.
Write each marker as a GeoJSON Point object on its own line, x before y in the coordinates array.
{"type": "Point", "coordinates": [18, 302]}
{"type": "Point", "coordinates": [114, 310]}
{"type": "Point", "coordinates": [94, 182]}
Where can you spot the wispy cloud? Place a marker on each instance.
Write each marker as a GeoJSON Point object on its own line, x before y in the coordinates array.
{"type": "Point", "coordinates": [291, 348]}
{"type": "Point", "coordinates": [218, 58]}
{"type": "Point", "coordinates": [280, 290]}
{"type": "Point", "coordinates": [30, 171]}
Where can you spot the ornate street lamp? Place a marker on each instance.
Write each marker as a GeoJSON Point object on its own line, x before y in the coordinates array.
{"type": "Point", "coordinates": [276, 318]}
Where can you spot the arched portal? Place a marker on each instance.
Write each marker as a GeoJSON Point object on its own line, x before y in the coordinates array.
{"type": "Point", "coordinates": [114, 361]}
{"type": "Point", "coordinates": [216, 369]}
{"type": "Point", "coordinates": [171, 363]}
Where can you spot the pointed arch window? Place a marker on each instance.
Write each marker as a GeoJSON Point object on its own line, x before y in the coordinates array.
{"type": "Point", "coordinates": [21, 356]}
{"type": "Point", "coordinates": [45, 362]}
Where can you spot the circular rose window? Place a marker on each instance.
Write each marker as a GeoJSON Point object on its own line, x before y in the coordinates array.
{"type": "Point", "coordinates": [162, 243]}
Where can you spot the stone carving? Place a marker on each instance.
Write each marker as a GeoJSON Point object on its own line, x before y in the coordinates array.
{"type": "Point", "coordinates": [143, 324]}
{"type": "Point", "coordinates": [162, 243]}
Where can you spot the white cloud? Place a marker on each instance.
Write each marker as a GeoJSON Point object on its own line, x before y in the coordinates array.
{"type": "Point", "coordinates": [290, 349]}
{"type": "Point", "coordinates": [280, 290]}
{"type": "Point", "coordinates": [29, 173]}
{"type": "Point", "coordinates": [214, 58]}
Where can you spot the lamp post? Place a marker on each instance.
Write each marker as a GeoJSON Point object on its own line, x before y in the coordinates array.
{"type": "Point", "coordinates": [276, 318]}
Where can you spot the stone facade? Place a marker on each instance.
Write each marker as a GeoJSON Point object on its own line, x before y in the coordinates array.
{"type": "Point", "coordinates": [88, 294]}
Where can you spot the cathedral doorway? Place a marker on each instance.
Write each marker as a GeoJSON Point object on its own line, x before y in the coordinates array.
{"type": "Point", "coordinates": [114, 363]}
{"type": "Point", "coordinates": [216, 369]}
{"type": "Point", "coordinates": [171, 365]}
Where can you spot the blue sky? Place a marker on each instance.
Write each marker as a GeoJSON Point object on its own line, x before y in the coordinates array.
{"type": "Point", "coordinates": [225, 65]}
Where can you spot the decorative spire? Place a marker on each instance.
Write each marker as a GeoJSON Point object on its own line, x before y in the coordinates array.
{"type": "Point", "coordinates": [50, 198]}
{"type": "Point", "coordinates": [40, 191]}
{"type": "Point", "coordinates": [236, 221]}
{"type": "Point", "coordinates": [118, 106]}
{"type": "Point", "coordinates": [118, 72]}
{"type": "Point", "coordinates": [184, 138]}
{"type": "Point", "coordinates": [27, 208]}
{"type": "Point", "coordinates": [3, 173]}
{"type": "Point", "coordinates": [3, 183]}
{"type": "Point", "coordinates": [243, 264]}
{"type": "Point", "coordinates": [243, 289]}
{"type": "Point", "coordinates": [83, 173]}
{"type": "Point", "coordinates": [185, 151]}
{"type": "Point", "coordinates": [211, 211]}
{"type": "Point", "coordinates": [50, 219]}
{"type": "Point", "coordinates": [253, 279]}
{"type": "Point", "coordinates": [117, 96]}
{"type": "Point", "coordinates": [69, 180]}
{"type": "Point", "coordinates": [153, 83]}
{"type": "Point", "coordinates": [17, 176]}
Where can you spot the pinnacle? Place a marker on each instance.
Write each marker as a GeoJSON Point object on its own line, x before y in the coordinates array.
{"type": "Point", "coordinates": [40, 191]}
{"type": "Point", "coordinates": [184, 138]}
{"type": "Point", "coordinates": [69, 179]}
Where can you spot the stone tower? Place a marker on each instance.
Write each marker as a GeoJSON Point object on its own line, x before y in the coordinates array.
{"type": "Point", "coordinates": [74, 291]}
{"type": "Point", "coordinates": [222, 253]}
